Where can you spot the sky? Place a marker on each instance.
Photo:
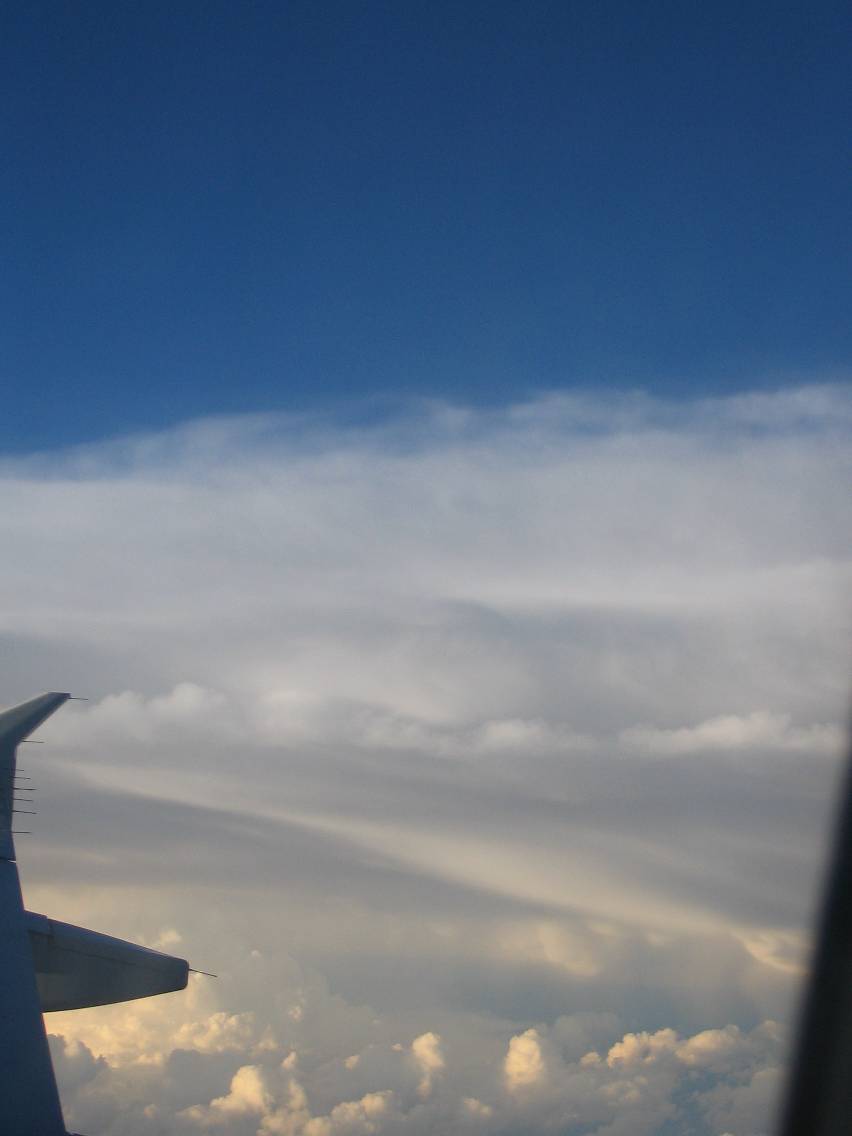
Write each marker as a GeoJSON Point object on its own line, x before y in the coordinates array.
{"type": "Point", "coordinates": [214, 208]}
{"type": "Point", "coordinates": [427, 445]}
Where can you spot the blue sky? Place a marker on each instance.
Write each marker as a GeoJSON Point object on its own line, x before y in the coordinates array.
{"type": "Point", "coordinates": [215, 208]}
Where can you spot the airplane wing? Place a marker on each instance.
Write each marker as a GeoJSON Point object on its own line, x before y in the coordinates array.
{"type": "Point", "coordinates": [76, 967]}
{"type": "Point", "coordinates": [47, 965]}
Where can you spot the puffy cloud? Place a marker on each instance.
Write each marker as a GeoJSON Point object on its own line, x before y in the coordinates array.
{"type": "Point", "coordinates": [746, 1107]}
{"type": "Point", "coordinates": [716, 1048]}
{"type": "Point", "coordinates": [247, 1094]}
{"type": "Point", "coordinates": [476, 1109]}
{"type": "Point", "coordinates": [544, 1080]}
{"type": "Point", "coordinates": [74, 1062]}
{"type": "Point", "coordinates": [352, 1118]}
{"type": "Point", "coordinates": [218, 1033]}
{"type": "Point", "coordinates": [289, 1118]}
{"type": "Point", "coordinates": [524, 1066]}
{"type": "Point", "coordinates": [641, 1049]}
{"type": "Point", "coordinates": [426, 1051]}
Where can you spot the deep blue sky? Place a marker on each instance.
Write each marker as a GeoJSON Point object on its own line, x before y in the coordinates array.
{"type": "Point", "coordinates": [217, 207]}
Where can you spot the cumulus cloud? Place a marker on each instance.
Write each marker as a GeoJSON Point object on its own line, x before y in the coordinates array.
{"type": "Point", "coordinates": [426, 1051]}
{"type": "Point", "coordinates": [218, 1033]}
{"type": "Point", "coordinates": [524, 1064]}
{"type": "Point", "coordinates": [247, 1093]}
{"type": "Point", "coordinates": [722, 1079]}
{"type": "Point", "coordinates": [428, 738]}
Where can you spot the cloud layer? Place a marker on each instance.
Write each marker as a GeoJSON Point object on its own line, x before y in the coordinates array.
{"type": "Point", "coordinates": [465, 724]}
{"type": "Point", "coordinates": [579, 1074]}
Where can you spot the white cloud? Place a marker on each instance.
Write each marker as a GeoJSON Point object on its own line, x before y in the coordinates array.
{"type": "Point", "coordinates": [426, 1051]}
{"type": "Point", "coordinates": [476, 1109]}
{"type": "Point", "coordinates": [717, 1080]}
{"type": "Point", "coordinates": [642, 1049]}
{"type": "Point", "coordinates": [352, 1118]}
{"type": "Point", "coordinates": [748, 1108]}
{"type": "Point", "coordinates": [736, 733]}
{"type": "Point", "coordinates": [524, 1066]}
{"type": "Point", "coordinates": [247, 1093]}
{"type": "Point", "coordinates": [218, 1033]}
{"type": "Point", "coordinates": [376, 727]}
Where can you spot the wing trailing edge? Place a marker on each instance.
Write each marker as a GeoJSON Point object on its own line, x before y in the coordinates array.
{"type": "Point", "coordinates": [76, 967]}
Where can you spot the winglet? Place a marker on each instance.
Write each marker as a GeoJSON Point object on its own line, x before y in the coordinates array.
{"type": "Point", "coordinates": [15, 725]}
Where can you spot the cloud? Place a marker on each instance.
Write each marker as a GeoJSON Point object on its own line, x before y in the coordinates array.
{"type": "Point", "coordinates": [717, 1080]}
{"type": "Point", "coordinates": [736, 733]}
{"type": "Point", "coordinates": [524, 1065]}
{"type": "Point", "coordinates": [218, 1033]}
{"type": "Point", "coordinates": [74, 1063]}
{"type": "Point", "coordinates": [247, 1094]}
{"type": "Point", "coordinates": [426, 1051]}
{"type": "Point", "coordinates": [352, 1118]}
{"type": "Point", "coordinates": [441, 729]}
